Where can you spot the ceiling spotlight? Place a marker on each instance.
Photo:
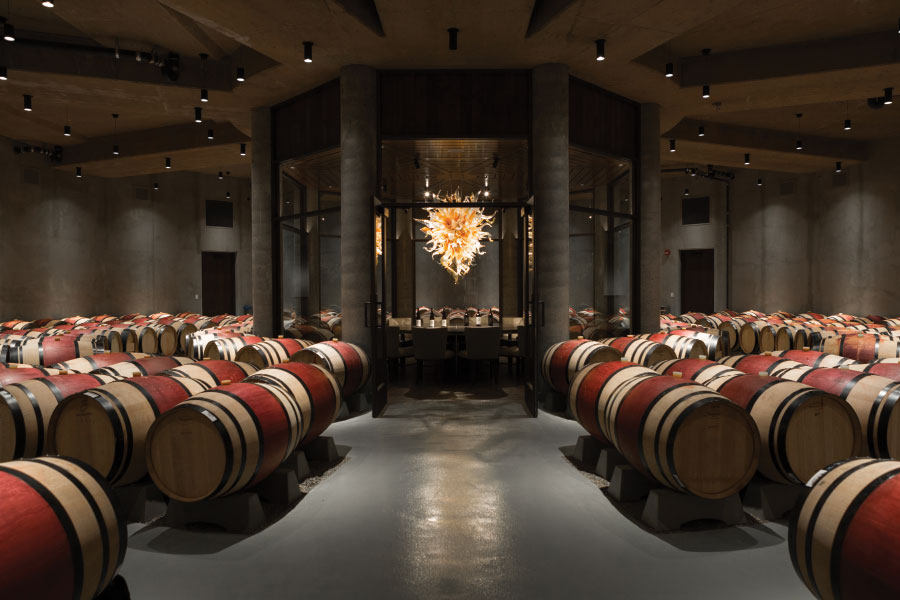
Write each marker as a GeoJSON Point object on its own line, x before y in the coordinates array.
{"type": "Point", "coordinates": [693, 172]}
{"type": "Point", "coordinates": [889, 95]}
{"type": "Point", "coordinates": [671, 145]}
{"type": "Point", "coordinates": [243, 149]}
{"type": "Point", "coordinates": [209, 134]}
{"type": "Point", "coordinates": [116, 149]}
{"type": "Point", "coordinates": [700, 131]}
{"type": "Point", "coordinates": [601, 49]}
{"type": "Point", "coordinates": [799, 145]}
{"type": "Point", "coordinates": [67, 131]}
{"type": "Point", "coordinates": [453, 33]}
{"type": "Point", "coordinates": [687, 192]}
{"type": "Point", "coordinates": [705, 91]}
{"type": "Point", "coordinates": [228, 195]}
{"type": "Point", "coordinates": [759, 182]}
{"type": "Point", "coordinates": [9, 32]}
{"type": "Point", "coordinates": [155, 187]}
{"type": "Point", "coordinates": [198, 114]}
{"type": "Point", "coordinates": [48, 3]}
{"type": "Point", "coordinates": [746, 158]}
{"type": "Point", "coordinates": [240, 74]}
{"type": "Point", "coordinates": [670, 70]}
{"type": "Point", "coordinates": [168, 163]}
{"type": "Point", "coordinates": [27, 105]}
{"type": "Point", "coordinates": [837, 167]}
{"type": "Point", "coordinates": [307, 52]}
{"type": "Point", "coordinates": [204, 95]}
{"type": "Point", "coordinates": [3, 75]}
{"type": "Point", "coordinates": [847, 125]}
{"type": "Point", "coordinates": [78, 172]}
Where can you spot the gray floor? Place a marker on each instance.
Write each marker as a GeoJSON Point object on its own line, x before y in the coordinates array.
{"type": "Point", "coordinates": [459, 495]}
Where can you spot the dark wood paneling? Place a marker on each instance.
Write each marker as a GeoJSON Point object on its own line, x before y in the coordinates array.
{"type": "Point", "coordinates": [602, 121]}
{"type": "Point", "coordinates": [218, 283]}
{"type": "Point", "coordinates": [309, 123]}
{"type": "Point", "coordinates": [455, 104]}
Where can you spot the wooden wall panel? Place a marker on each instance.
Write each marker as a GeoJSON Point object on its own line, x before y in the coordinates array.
{"type": "Point", "coordinates": [309, 123]}
{"type": "Point", "coordinates": [455, 104]}
{"type": "Point", "coordinates": [602, 121]}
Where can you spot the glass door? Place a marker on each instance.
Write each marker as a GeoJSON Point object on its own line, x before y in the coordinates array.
{"type": "Point", "coordinates": [532, 368]}
{"type": "Point", "coordinates": [377, 309]}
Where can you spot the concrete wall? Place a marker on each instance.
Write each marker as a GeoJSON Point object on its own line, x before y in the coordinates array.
{"type": "Point", "coordinates": [91, 245]}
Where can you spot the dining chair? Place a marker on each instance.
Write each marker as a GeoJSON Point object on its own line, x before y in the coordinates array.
{"type": "Point", "coordinates": [482, 344]}
{"type": "Point", "coordinates": [430, 345]}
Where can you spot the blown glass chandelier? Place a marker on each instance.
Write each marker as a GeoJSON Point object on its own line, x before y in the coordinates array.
{"type": "Point", "coordinates": [455, 233]}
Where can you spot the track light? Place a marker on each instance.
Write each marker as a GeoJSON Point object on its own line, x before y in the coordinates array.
{"type": "Point", "coordinates": [243, 149]}
{"type": "Point", "coordinates": [671, 145]}
{"type": "Point", "coordinates": [27, 105]}
{"type": "Point", "coordinates": [3, 75]}
{"type": "Point", "coordinates": [204, 95]}
{"type": "Point", "coordinates": [240, 75]}
{"type": "Point", "coordinates": [746, 158]}
{"type": "Point", "coordinates": [67, 131]}
{"type": "Point", "coordinates": [847, 125]}
{"type": "Point", "coordinates": [78, 172]}
{"type": "Point", "coordinates": [759, 182]}
{"type": "Point", "coordinates": [116, 149]}
{"type": "Point", "coordinates": [198, 114]}
{"type": "Point", "coordinates": [670, 70]}
{"type": "Point", "coordinates": [705, 91]}
{"type": "Point", "coordinates": [837, 167]}
{"type": "Point", "coordinates": [155, 187]}
{"type": "Point", "coordinates": [799, 145]}
{"type": "Point", "coordinates": [9, 32]}
{"type": "Point", "coordinates": [221, 176]}
{"type": "Point", "coordinates": [307, 52]}
{"type": "Point", "coordinates": [228, 195]}
{"type": "Point", "coordinates": [601, 49]}
{"type": "Point", "coordinates": [209, 134]}
{"type": "Point", "coordinates": [168, 163]}
{"type": "Point", "coordinates": [687, 192]}
{"type": "Point", "coordinates": [453, 33]}
{"type": "Point", "coordinates": [889, 95]}
{"type": "Point", "coordinates": [48, 3]}
{"type": "Point", "coordinates": [701, 132]}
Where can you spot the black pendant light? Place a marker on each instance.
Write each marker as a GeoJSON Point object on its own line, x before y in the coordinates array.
{"type": "Point", "coordinates": [799, 144]}
{"type": "Point", "coordinates": [198, 114]}
{"type": "Point", "coordinates": [601, 49]}
{"type": "Point", "coordinates": [307, 52]}
{"type": "Point", "coordinates": [243, 149]}
{"type": "Point", "coordinates": [3, 75]}
{"type": "Point", "coordinates": [747, 158]}
{"type": "Point", "coordinates": [759, 182]}
{"type": "Point", "coordinates": [889, 95]}
{"type": "Point", "coordinates": [701, 132]}
{"type": "Point", "coordinates": [670, 70]}
{"type": "Point", "coordinates": [168, 162]}
{"type": "Point", "coordinates": [9, 32]}
{"type": "Point", "coordinates": [705, 93]}
{"type": "Point", "coordinates": [26, 102]}
{"type": "Point", "coordinates": [155, 186]}
{"type": "Point", "coordinates": [209, 134]}
{"type": "Point", "coordinates": [204, 93]}
{"type": "Point", "coordinates": [78, 172]}
{"type": "Point", "coordinates": [115, 146]}
{"type": "Point", "coordinates": [239, 76]}
{"type": "Point", "coordinates": [671, 145]}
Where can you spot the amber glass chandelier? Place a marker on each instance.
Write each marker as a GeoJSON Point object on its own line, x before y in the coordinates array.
{"type": "Point", "coordinates": [455, 233]}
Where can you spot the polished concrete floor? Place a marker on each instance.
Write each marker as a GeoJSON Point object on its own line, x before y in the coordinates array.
{"type": "Point", "coordinates": [457, 494]}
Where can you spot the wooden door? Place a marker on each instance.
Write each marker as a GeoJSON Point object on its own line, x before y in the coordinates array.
{"type": "Point", "coordinates": [218, 283]}
{"type": "Point", "coordinates": [697, 281]}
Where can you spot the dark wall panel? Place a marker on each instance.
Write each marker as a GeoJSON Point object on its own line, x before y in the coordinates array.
{"type": "Point", "coordinates": [309, 123]}
{"type": "Point", "coordinates": [602, 121]}
{"type": "Point", "coordinates": [455, 104]}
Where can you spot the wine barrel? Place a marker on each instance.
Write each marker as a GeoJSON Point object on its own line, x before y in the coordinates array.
{"type": "Point", "coordinates": [222, 441]}
{"type": "Point", "coordinates": [106, 427]}
{"type": "Point", "coordinates": [691, 317]}
{"type": "Point", "coordinates": [811, 358]}
{"type": "Point", "coordinates": [144, 366]}
{"type": "Point", "coordinates": [684, 347]}
{"type": "Point", "coordinates": [113, 339]}
{"type": "Point", "coordinates": [563, 360]}
{"type": "Point", "coordinates": [62, 537]}
{"type": "Point", "coordinates": [643, 352]}
{"type": "Point", "coordinates": [862, 347]}
{"type": "Point", "coordinates": [26, 407]}
{"type": "Point", "coordinates": [314, 388]}
{"type": "Point", "coordinates": [148, 339]}
{"type": "Point", "coordinates": [227, 348]}
{"type": "Point", "coordinates": [891, 370]}
{"type": "Point", "coordinates": [51, 350]}
{"type": "Point", "coordinates": [97, 361]}
{"type": "Point", "coordinates": [681, 434]}
{"type": "Point", "coordinates": [271, 352]}
{"type": "Point", "coordinates": [183, 329]}
{"type": "Point", "coordinates": [802, 429]}
{"type": "Point", "coordinates": [844, 540]}
{"type": "Point", "coordinates": [716, 345]}
{"type": "Point", "coordinates": [166, 338]}
{"type": "Point", "coordinates": [213, 372]}
{"type": "Point", "coordinates": [347, 362]}
{"type": "Point", "coordinates": [750, 335]}
{"type": "Point", "coordinates": [15, 373]}
{"type": "Point", "coordinates": [775, 337]}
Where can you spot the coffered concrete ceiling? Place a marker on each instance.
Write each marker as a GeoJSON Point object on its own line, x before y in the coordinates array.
{"type": "Point", "coordinates": [769, 60]}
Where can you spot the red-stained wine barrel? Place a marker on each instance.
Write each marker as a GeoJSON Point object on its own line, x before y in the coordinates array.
{"type": "Point", "coordinates": [716, 345]}
{"type": "Point", "coordinates": [150, 365]}
{"type": "Point", "coordinates": [684, 347]}
{"type": "Point", "coordinates": [891, 370]}
{"type": "Point", "coordinates": [802, 429]}
{"type": "Point", "coordinates": [756, 364]}
{"type": "Point", "coordinates": [213, 372]}
{"type": "Point", "coordinates": [584, 393]}
{"type": "Point", "coordinates": [315, 390]}
{"type": "Point", "coordinates": [681, 434]}
{"type": "Point", "coordinates": [221, 441]}
{"type": "Point", "coordinates": [106, 427]}
{"type": "Point", "coordinates": [563, 360]}
{"type": "Point", "coordinates": [347, 362]}
{"type": "Point", "coordinates": [227, 348]}
{"type": "Point", "coordinates": [271, 352]}
{"type": "Point", "coordinates": [642, 352]}
{"type": "Point", "coordinates": [26, 407]}
{"type": "Point", "coordinates": [98, 361]}
{"type": "Point", "coordinates": [862, 347]}
{"type": "Point", "coordinates": [51, 350]}
{"type": "Point", "coordinates": [61, 535]}
{"type": "Point", "coordinates": [845, 539]}
{"type": "Point", "coordinates": [691, 317]}
{"type": "Point", "coordinates": [195, 343]}
{"type": "Point", "coordinates": [811, 358]}
{"type": "Point", "coordinates": [15, 374]}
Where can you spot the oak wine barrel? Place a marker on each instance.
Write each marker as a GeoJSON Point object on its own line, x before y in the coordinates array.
{"type": "Point", "coordinates": [845, 540]}
{"type": "Point", "coordinates": [684, 347]}
{"type": "Point", "coordinates": [106, 427]}
{"type": "Point", "coordinates": [97, 361]}
{"type": "Point", "coordinates": [891, 370]}
{"type": "Point", "coordinates": [62, 537]}
{"type": "Point", "coordinates": [563, 360]}
{"type": "Point", "coordinates": [213, 372]}
{"type": "Point", "coordinates": [775, 337]}
{"type": "Point", "coordinates": [150, 365]}
{"type": "Point", "coordinates": [227, 348]}
{"type": "Point", "coordinates": [347, 362]}
{"type": "Point", "coordinates": [12, 375]}
{"type": "Point", "coordinates": [642, 352]}
{"type": "Point", "coordinates": [52, 350]}
{"type": "Point", "coordinates": [861, 347]}
{"type": "Point", "coordinates": [812, 358]}
{"type": "Point", "coordinates": [271, 352]}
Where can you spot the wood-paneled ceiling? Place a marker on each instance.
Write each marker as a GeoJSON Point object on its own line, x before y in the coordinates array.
{"type": "Point", "coordinates": [769, 60]}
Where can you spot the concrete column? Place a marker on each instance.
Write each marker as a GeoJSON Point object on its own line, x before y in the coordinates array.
{"type": "Point", "coordinates": [359, 154]}
{"type": "Point", "coordinates": [550, 152]}
{"type": "Point", "coordinates": [261, 222]}
{"type": "Point", "coordinates": [651, 222]}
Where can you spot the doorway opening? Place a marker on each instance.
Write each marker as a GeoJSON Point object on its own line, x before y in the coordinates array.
{"type": "Point", "coordinates": [218, 283]}
{"type": "Point", "coordinates": [697, 280]}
